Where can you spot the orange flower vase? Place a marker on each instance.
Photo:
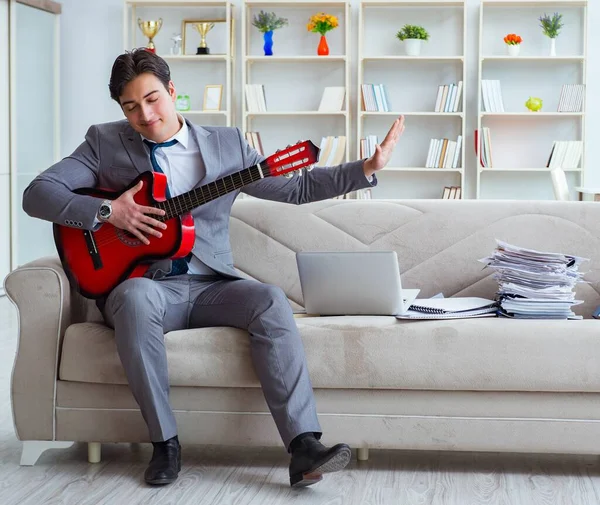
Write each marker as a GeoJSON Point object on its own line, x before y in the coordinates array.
{"type": "Point", "coordinates": [323, 49]}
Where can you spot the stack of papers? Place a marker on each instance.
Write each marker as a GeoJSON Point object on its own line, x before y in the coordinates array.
{"type": "Point", "coordinates": [534, 284]}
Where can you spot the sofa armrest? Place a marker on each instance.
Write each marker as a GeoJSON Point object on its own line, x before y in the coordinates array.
{"type": "Point", "coordinates": [41, 292]}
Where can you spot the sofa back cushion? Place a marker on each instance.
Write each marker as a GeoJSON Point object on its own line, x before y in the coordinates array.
{"type": "Point", "coordinates": [439, 242]}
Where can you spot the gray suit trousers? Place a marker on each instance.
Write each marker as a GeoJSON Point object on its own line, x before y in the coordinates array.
{"type": "Point", "coordinates": [142, 310]}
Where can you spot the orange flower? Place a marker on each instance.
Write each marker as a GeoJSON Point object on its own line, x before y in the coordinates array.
{"type": "Point", "coordinates": [513, 39]}
{"type": "Point", "coordinates": [322, 23]}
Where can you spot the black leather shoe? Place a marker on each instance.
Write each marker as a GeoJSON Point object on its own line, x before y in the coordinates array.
{"type": "Point", "coordinates": [165, 463]}
{"type": "Point", "coordinates": [311, 459]}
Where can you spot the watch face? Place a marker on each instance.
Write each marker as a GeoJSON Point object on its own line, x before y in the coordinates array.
{"type": "Point", "coordinates": [105, 210]}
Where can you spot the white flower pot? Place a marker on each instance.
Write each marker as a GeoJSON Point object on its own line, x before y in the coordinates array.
{"type": "Point", "coordinates": [552, 47]}
{"type": "Point", "coordinates": [413, 47]}
{"type": "Point", "coordinates": [514, 50]}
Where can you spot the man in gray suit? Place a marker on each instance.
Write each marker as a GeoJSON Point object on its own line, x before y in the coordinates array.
{"type": "Point", "coordinates": [204, 289]}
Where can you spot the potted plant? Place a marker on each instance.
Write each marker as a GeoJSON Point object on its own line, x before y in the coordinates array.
{"type": "Point", "coordinates": [551, 27]}
{"type": "Point", "coordinates": [513, 43]}
{"type": "Point", "coordinates": [413, 36]}
{"type": "Point", "coordinates": [266, 23]}
{"type": "Point", "coordinates": [322, 23]}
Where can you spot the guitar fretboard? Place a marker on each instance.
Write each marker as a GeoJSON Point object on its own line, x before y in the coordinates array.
{"type": "Point", "coordinates": [186, 202]}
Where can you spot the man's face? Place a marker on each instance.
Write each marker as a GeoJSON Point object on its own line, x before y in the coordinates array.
{"type": "Point", "coordinates": [150, 108]}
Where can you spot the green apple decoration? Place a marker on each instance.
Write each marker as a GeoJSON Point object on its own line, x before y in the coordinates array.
{"type": "Point", "coordinates": [534, 104]}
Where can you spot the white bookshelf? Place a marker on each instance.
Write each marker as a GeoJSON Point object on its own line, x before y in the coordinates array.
{"type": "Point", "coordinates": [522, 140]}
{"type": "Point", "coordinates": [412, 85]}
{"type": "Point", "coordinates": [190, 72]}
{"type": "Point", "coordinates": [295, 76]}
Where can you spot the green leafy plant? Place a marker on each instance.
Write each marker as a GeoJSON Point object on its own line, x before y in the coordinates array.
{"type": "Point", "coordinates": [268, 21]}
{"type": "Point", "coordinates": [412, 32]}
{"type": "Point", "coordinates": [551, 25]}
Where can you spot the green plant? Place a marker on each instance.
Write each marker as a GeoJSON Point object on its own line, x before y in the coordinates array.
{"type": "Point", "coordinates": [413, 32]}
{"type": "Point", "coordinates": [268, 21]}
{"type": "Point", "coordinates": [551, 25]}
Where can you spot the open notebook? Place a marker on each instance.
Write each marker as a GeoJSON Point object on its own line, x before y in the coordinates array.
{"type": "Point", "coordinates": [450, 308]}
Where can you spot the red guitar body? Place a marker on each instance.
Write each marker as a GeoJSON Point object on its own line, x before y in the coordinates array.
{"type": "Point", "coordinates": [88, 257]}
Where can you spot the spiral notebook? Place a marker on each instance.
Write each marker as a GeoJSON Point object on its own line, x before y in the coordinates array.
{"type": "Point", "coordinates": [450, 308]}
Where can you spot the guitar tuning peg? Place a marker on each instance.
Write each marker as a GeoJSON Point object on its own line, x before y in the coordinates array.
{"type": "Point", "coordinates": [278, 150]}
{"type": "Point", "coordinates": [310, 167]}
{"type": "Point", "coordinates": [298, 142]}
{"type": "Point", "coordinates": [288, 146]}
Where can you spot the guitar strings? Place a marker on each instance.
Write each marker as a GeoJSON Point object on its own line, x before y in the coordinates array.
{"type": "Point", "coordinates": [193, 199]}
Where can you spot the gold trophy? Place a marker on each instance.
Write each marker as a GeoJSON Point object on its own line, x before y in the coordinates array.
{"type": "Point", "coordinates": [203, 29]}
{"type": "Point", "coordinates": [150, 29]}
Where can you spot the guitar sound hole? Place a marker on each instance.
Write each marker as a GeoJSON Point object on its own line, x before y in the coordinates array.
{"type": "Point", "coordinates": [127, 238]}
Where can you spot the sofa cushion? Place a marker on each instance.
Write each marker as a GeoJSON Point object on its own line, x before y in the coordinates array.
{"type": "Point", "coordinates": [372, 352]}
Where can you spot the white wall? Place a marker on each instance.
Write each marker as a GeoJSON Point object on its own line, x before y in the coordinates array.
{"type": "Point", "coordinates": [87, 56]}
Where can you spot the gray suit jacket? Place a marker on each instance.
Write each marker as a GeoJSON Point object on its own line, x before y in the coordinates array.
{"type": "Point", "coordinates": [113, 154]}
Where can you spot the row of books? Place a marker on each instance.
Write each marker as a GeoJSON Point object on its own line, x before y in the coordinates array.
{"type": "Point", "coordinates": [448, 97]}
{"type": "Point", "coordinates": [565, 154]}
{"type": "Point", "coordinates": [444, 153]}
{"type": "Point", "coordinates": [571, 98]}
{"type": "Point", "coordinates": [367, 146]}
{"type": "Point", "coordinates": [332, 151]}
{"type": "Point", "coordinates": [452, 193]}
{"type": "Point", "coordinates": [492, 95]}
{"type": "Point", "coordinates": [485, 147]}
{"type": "Point", "coordinates": [253, 138]}
{"type": "Point", "coordinates": [255, 98]}
{"type": "Point", "coordinates": [374, 98]}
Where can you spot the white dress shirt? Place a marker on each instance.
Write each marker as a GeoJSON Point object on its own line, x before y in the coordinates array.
{"type": "Point", "coordinates": [183, 166]}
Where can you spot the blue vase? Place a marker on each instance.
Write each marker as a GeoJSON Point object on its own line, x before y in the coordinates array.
{"type": "Point", "coordinates": [268, 47]}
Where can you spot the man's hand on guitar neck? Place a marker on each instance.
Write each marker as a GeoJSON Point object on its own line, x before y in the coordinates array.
{"type": "Point", "coordinates": [128, 215]}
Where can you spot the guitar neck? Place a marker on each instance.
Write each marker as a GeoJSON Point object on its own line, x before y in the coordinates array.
{"type": "Point", "coordinates": [186, 202]}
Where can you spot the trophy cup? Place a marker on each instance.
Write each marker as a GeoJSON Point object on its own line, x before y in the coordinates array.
{"type": "Point", "coordinates": [203, 29]}
{"type": "Point", "coordinates": [150, 29]}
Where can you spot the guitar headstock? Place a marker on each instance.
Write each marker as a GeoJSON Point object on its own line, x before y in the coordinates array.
{"type": "Point", "coordinates": [292, 158]}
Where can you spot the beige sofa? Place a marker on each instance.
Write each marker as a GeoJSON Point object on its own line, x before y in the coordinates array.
{"type": "Point", "coordinates": [475, 384]}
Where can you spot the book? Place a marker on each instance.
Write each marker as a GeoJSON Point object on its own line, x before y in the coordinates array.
{"type": "Point", "coordinates": [332, 99]}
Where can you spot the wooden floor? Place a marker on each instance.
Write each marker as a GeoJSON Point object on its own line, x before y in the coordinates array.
{"type": "Point", "coordinates": [259, 477]}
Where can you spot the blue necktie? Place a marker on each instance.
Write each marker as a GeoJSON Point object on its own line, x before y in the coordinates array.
{"type": "Point", "coordinates": [179, 266]}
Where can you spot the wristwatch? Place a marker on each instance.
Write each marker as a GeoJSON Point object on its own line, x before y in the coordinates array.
{"type": "Point", "coordinates": [105, 211]}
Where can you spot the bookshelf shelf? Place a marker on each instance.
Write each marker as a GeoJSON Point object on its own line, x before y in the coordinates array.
{"type": "Point", "coordinates": [203, 112]}
{"type": "Point", "coordinates": [529, 59]}
{"type": "Point", "coordinates": [396, 114]}
{"type": "Point", "coordinates": [414, 3]}
{"type": "Point", "coordinates": [310, 3]}
{"type": "Point", "coordinates": [531, 115]}
{"type": "Point", "coordinates": [534, 3]}
{"type": "Point", "coordinates": [484, 169]}
{"type": "Point", "coordinates": [190, 72]}
{"type": "Point", "coordinates": [421, 169]}
{"type": "Point", "coordinates": [539, 74]}
{"type": "Point", "coordinates": [295, 59]}
{"type": "Point", "coordinates": [402, 83]}
{"type": "Point", "coordinates": [294, 78]}
{"type": "Point", "coordinates": [296, 113]}
{"type": "Point", "coordinates": [415, 58]}
{"type": "Point", "coordinates": [195, 58]}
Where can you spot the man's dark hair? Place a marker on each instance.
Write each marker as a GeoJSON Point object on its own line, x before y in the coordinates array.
{"type": "Point", "coordinates": [133, 63]}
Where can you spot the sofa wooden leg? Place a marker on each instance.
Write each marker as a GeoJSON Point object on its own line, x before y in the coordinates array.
{"type": "Point", "coordinates": [33, 449]}
{"type": "Point", "coordinates": [94, 452]}
{"type": "Point", "coordinates": [362, 453]}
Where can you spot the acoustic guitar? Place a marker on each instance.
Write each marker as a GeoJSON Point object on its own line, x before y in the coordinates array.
{"type": "Point", "coordinates": [97, 261]}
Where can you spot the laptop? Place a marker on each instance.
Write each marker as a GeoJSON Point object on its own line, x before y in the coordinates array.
{"type": "Point", "coordinates": [353, 283]}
